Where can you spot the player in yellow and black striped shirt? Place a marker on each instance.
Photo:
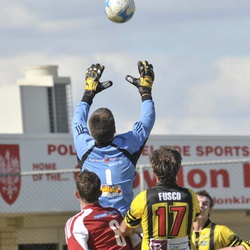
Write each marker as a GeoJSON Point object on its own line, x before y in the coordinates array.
{"type": "Point", "coordinates": [210, 236]}
{"type": "Point", "coordinates": [167, 211]}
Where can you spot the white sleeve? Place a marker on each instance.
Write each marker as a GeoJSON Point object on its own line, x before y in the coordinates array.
{"type": "Point", "coordinates": [76, 233]}
{"type": "Point", "coordinates": [80, 232]}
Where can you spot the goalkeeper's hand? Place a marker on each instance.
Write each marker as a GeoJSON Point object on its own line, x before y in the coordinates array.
{"type": "Point", "coordinates": [145, 81]}
{"type": "Point", "coordinates": [92, 77]}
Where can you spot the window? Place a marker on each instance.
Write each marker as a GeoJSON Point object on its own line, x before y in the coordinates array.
{"type": "Point", "coordinates": [58, 108]}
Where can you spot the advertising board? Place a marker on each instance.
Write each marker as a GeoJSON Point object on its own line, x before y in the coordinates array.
{"type": "Point", "coordinates": [44, 187]}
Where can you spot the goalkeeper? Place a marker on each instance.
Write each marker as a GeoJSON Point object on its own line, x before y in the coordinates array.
{"type": "Point", "coordinates": [112, 157]}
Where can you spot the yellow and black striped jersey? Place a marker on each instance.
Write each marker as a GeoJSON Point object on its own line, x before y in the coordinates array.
{"type": "Point", "coordinates": [246, 244]}
{"type": "Point", "coordinates": [166, 214]}
{"type": "Point", "coordinates": [214, 236]}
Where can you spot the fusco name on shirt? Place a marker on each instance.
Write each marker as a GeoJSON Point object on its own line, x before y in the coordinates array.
{"type": "Point", "coordinates": [165, 196]}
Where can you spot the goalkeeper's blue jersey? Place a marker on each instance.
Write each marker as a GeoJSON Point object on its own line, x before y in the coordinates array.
{"type": "Point", "coordinates": [114, 163]}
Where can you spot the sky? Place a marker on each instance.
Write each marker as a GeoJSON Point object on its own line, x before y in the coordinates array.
{"type": "Point", "coordinates": [200, 51]}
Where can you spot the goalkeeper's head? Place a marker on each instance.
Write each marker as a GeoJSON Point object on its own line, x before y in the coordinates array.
{"type": "Point", "coordinates": [102, 125]}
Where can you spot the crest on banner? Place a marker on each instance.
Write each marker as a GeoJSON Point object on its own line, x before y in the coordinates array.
{"type": "Point", "coordinates": [10, 180]}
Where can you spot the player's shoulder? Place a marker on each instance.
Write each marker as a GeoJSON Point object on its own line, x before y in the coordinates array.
{"type": "Point", "coordinates": [185, 190]}
{"type": "Point", "coordinates": [191, 191]}
{"type": "Point", "coordinates": [128, 141]}
{"type": "Point", "coordinates": [113, 212]}
{"type": "Point", "coordinates": [246, 244]}
{"type": "Point", "coordinates": [120, 140]}
{"type": "Point", "coordinates": [140, 198]}
{"type": "Point", "coordinates": [222, 228]}
{"type": "Point", "coordinates": [143, 193]}
{"type": "Point", "coordinates": [74, 217]}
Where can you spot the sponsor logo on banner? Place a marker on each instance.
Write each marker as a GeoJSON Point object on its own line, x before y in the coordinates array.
{"type": "Point", "coordinates": [10, 183]}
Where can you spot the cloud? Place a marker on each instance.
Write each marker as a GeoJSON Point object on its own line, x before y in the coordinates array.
{"type": "Point", "coordinates": [200, 125]}
{"type": "Point", "coordinates": [59, 26]}
{"type": "Point", "coordinates": [227, 93]}
{"type": "Point", "coordinates": [15, 15]}
{"type": "Point", "coordinates": [234, 79]}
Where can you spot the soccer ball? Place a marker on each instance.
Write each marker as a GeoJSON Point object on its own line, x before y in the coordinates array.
{"type": "Point", "coordinates": [119, 11]}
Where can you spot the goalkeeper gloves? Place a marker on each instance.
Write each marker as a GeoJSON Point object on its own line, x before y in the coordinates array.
{"type": "Point", "coordinates": [92, 78]}
{"type": "Point", "coordinates": [92, 83]}
{"type": "Point", "coordinates": [145, 81]}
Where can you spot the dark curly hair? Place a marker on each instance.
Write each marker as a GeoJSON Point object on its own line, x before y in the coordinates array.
{"type": "Point", "coordinates": [166, 163]}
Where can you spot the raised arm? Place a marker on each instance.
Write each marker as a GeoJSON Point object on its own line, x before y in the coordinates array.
{"type": "Point", "coordinates": [92, 87]}
{"type": "Point", "coordinates": [143, 126]}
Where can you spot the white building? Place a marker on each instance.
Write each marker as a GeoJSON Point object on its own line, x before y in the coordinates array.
{"type": "Point", "coordinates": [39, 103]}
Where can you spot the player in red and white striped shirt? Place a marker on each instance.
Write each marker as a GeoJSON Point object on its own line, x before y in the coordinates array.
{"type": "Point", "coordinates": [95, 227]}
